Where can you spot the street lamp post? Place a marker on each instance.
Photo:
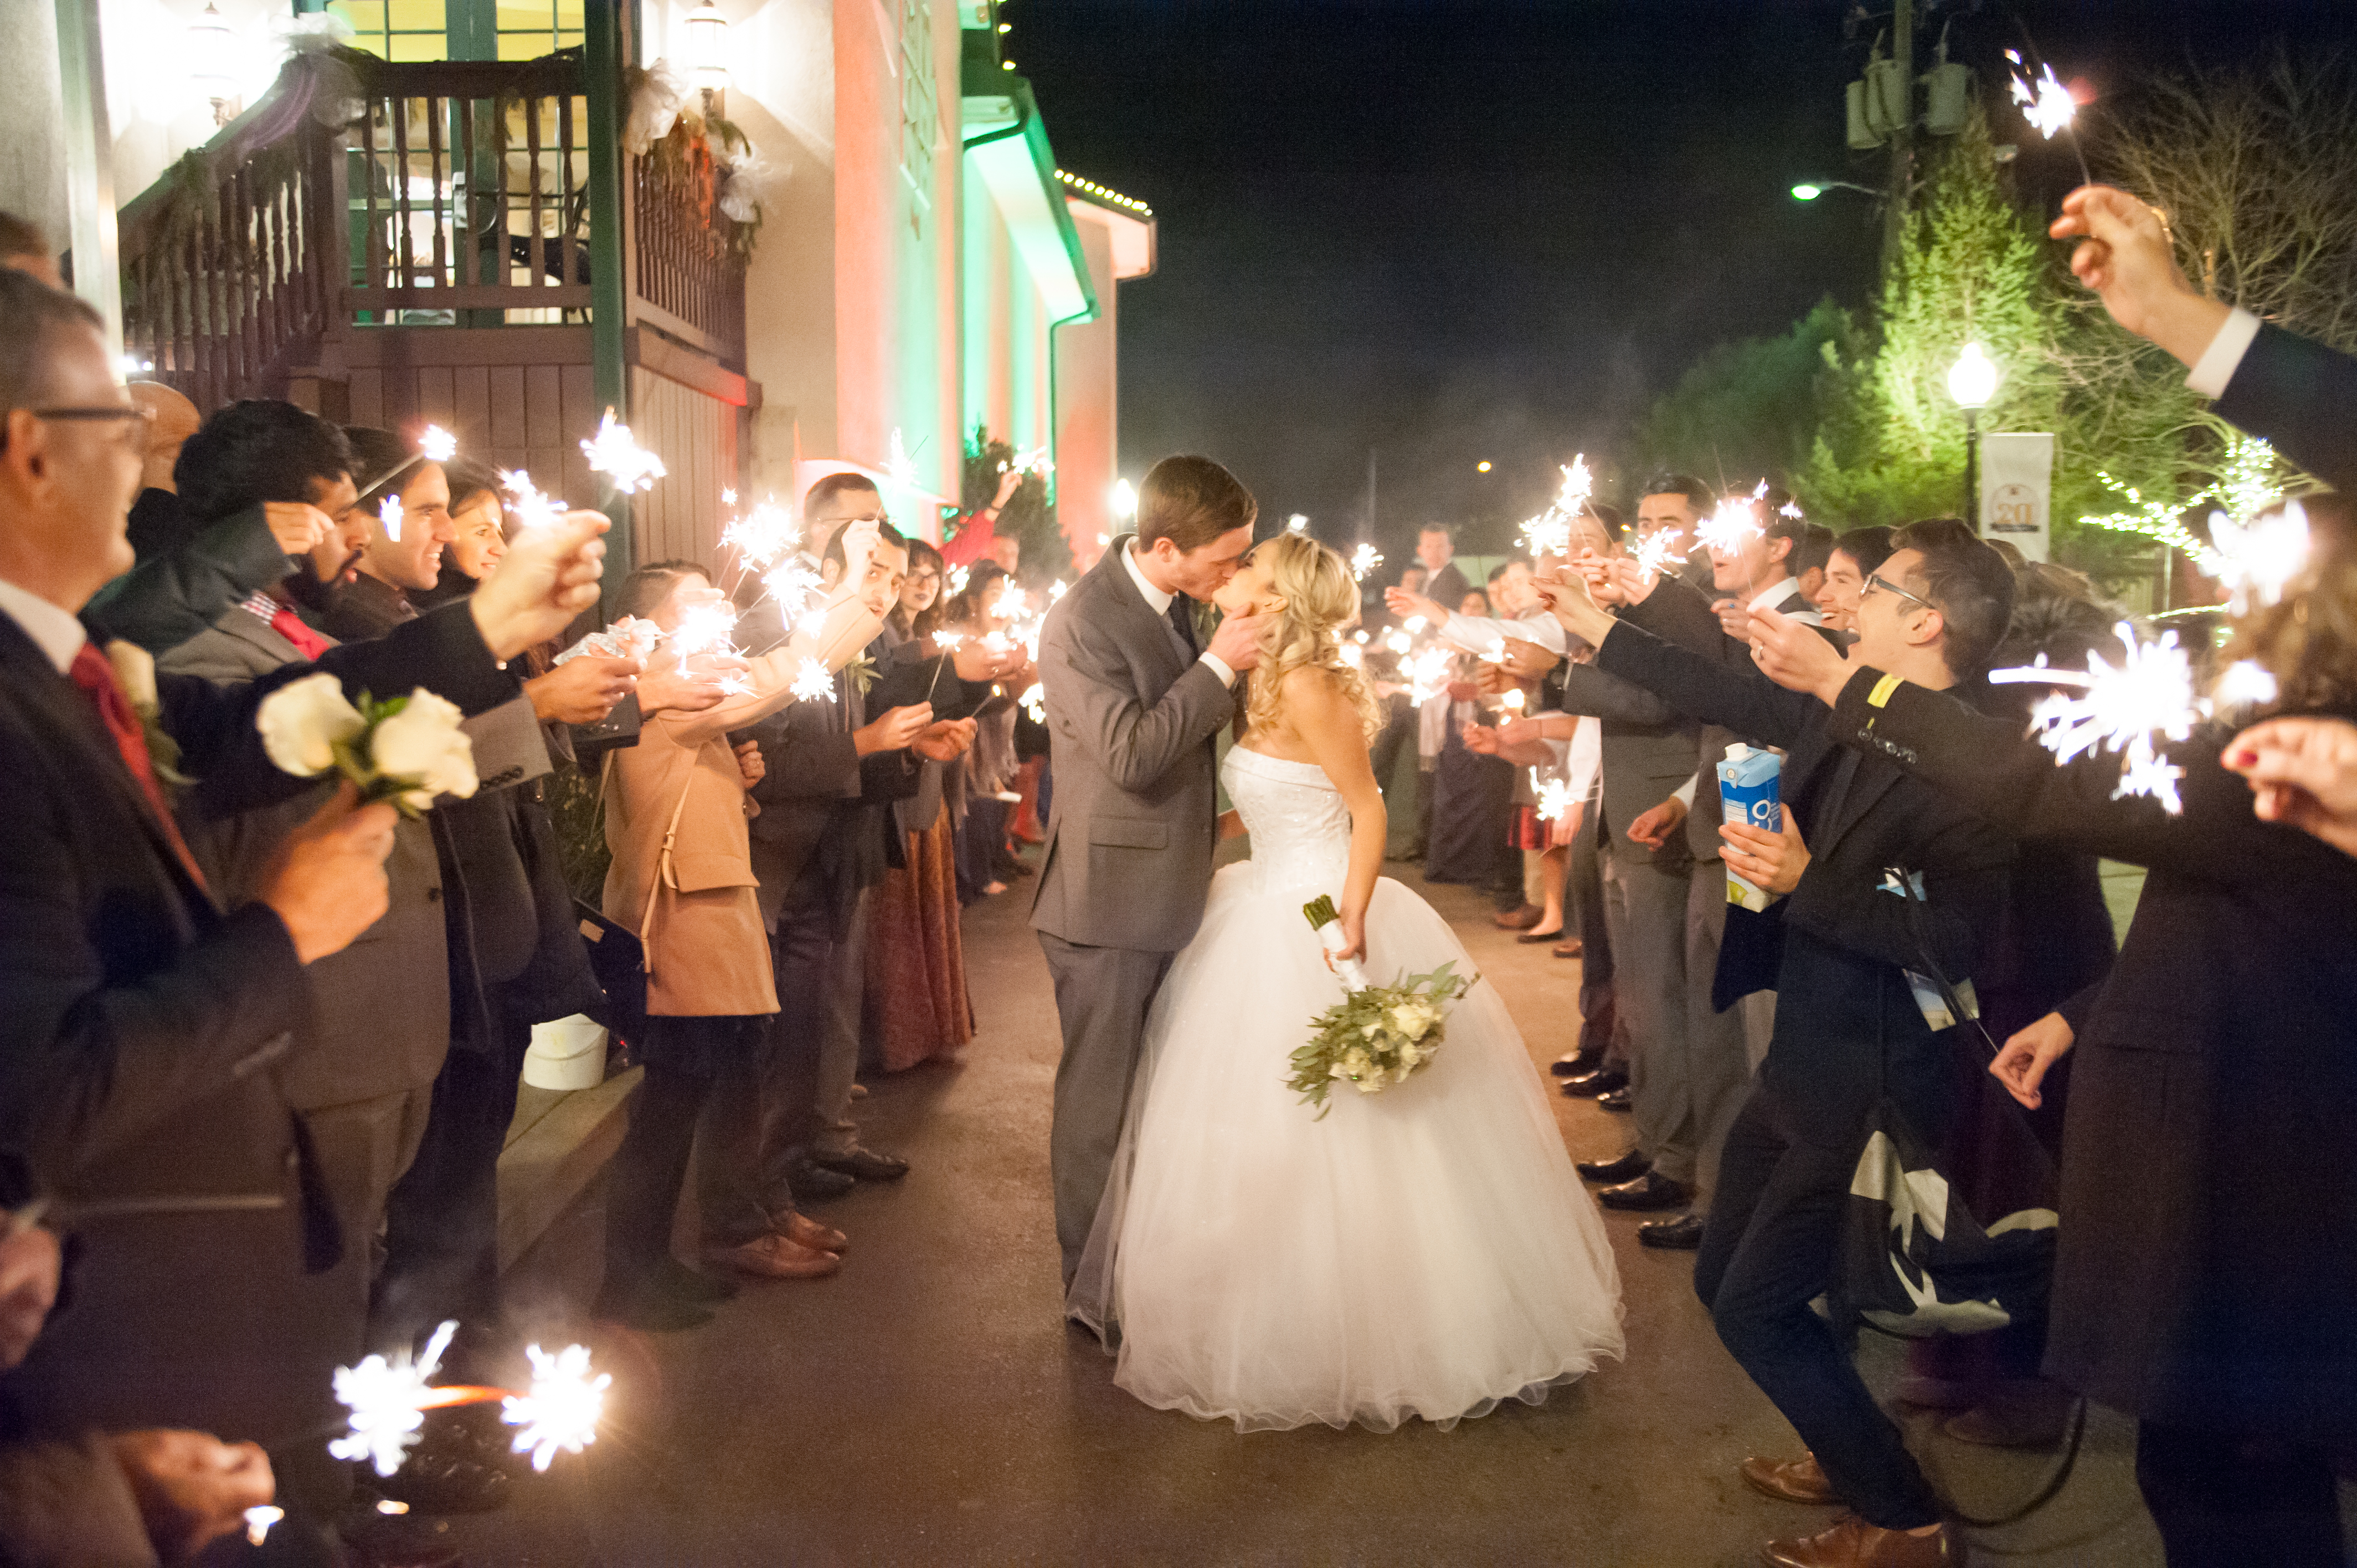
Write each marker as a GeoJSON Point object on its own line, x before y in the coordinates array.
{"type": "Point", "coordinates": [1972, 381]}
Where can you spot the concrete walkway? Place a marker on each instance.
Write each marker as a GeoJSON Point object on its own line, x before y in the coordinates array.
{"type": "Point", "coordinates": [928, 1406]}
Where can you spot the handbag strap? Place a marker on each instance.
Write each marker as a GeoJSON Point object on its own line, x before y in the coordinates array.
{"type": "Point", "coordinates": [663, 874]}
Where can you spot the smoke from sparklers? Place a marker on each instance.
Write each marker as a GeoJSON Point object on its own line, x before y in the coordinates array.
{"type": "Point", "coordinates": [616, 454]}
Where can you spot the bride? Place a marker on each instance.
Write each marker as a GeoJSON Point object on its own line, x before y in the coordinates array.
{"type": "Point", "coordinates": [1423, 1251]}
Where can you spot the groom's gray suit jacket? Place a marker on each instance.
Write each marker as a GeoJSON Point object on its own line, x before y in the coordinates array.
{"type": "Point", "coordinates": [1133, 713]}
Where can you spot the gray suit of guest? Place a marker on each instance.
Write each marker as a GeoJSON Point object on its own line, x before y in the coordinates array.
{"type": "Point", "coordinates": [1128, 862]}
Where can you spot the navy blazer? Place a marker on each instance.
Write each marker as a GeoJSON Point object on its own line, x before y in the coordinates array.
{"type": "Point", "coordinates": [2298, 394]}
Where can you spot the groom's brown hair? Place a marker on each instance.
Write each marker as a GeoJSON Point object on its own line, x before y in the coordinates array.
{"type": "Point", "coordinates": [1191, 501]}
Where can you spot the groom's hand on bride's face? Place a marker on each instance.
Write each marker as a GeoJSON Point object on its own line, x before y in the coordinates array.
{"type": "Point", "coordinates": [1237, 643]}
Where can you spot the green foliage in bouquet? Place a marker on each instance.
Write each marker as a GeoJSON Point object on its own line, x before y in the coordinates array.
{"type": "Point", "coordinates": [1377, 1035]}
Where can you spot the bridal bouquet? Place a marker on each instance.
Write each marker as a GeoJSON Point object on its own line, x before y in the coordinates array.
{"type": "Point", "coordinates": [406, 750]}
{"type": "Point", "coordinates": [1377, 1035]}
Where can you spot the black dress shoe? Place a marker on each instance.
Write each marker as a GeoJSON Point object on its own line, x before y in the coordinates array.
{"type": "Point", "coordinates": [1580, 1064]}
{"type": "Point", "coordinates": [1617, 1100]}
{"type": "Point", "coordinates": [1649, 1194]}
{"type": "Point", "coordinates": [863, 1164]}
{"type": "Point", "coordinates": [1588, 1085]}
{"type": "Point", "coordinates": [811, 1180]}
{"type": "Point", "coordinates": [676, 1280]}
{"type": "Point", "coordinates": [1683, 1234]}
{"type": "Point", "coordinates": [1626, 1167]}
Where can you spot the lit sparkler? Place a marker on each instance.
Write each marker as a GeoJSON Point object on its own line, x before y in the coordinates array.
{"type": "Point", "coordinates": [258, 1520]}
{"type": "Point", "coordinates": [1057, 589]}
{"type": "Point", "coordinates": [1415, 623]}
{"type": "Point", "coordinates": [792, 586]}
{"type": "Point", "coordinates": [765, 534]}
{"type": "Point", "coordinates": [1555, 801]}
{"type": "Point", "coordinates": [1035, 461]}
{"type": "Point", "coordinates": [388, 512]}
{"type": "Point", "coordinates": [2257, 560]}
{"type": "Point", "coordinates": [531, 509]}
{"type": "Point", "coordinates": [1513, 701]}
{"type": "Point", "coordinates": [1035, 703]}
{"type": "Point", "coordinates": [562, 1407]}
{"type": "Point", "coordinates": [900, 464]}
{"type": "Point", "coordinates": [1363, 560]}
{"type": "Point", "coordinates": [388, 1398]}
{"type": "Point", "coordinates": [2244, 684]}
{"type": "Point", "coordinates": [2148, 697]}
{"type": "Point", "coordinates": [1732, 522]}
{"type": "Point", "coordinates": [727, 496]}
{"type": "Point", "coordinates": [704, 628]}
{"type": "Point", "coordinates": [1549, 533]}
{"type": "Point", "coordinates": [616, 454]}
{"type": "Point", "coordinates": [957, 579]}
{"type": "Point", "coordinates": [1297, 524]}
{"type": "Point", "coordinates": [438, 445]}
{"type": "Point", "coordinates": [1653, 555]}
{"type": "Point", "coordinates": [813, 683]}
{"type": "Point", "coordinates": [2048, 105]}
{"type": "Point", "coordinates": [1427, 673]}
{"type": "Point", "coordinates": [1010, 604]}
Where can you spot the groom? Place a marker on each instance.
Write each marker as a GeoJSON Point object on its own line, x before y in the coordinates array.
{"type": "Point", "coordinates": [1134, 691]}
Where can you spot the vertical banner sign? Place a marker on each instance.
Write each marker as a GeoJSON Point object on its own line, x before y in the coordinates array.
{"type": "Point", "coordinates": [2018, 490]}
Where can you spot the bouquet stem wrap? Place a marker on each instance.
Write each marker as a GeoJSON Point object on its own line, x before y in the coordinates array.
{"type": "Point", "coordinates": [1322, 915]}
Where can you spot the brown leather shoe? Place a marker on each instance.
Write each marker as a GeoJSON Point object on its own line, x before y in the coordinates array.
{"type": "Point", "coordinates": [804, 1232]}
{"type": "Point", "coordinates": [1789, 1480]}
{"type": "Point", "coordinates": [1519, 919]}
{"type": "Point", "coordinates": [1853, 1543]}
{"type": "Point", "coordinates": [774, 1257]}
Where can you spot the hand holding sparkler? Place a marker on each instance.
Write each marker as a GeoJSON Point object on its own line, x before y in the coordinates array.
{"type": "Point", "coordinates": [583, 691]}
{"type": "Point", "coordinates": [687, 685]}
{"type": "Point", "coordinates": [2125, 257]}
{"type": "Point", "coordinates": [1795, 655]}
{"type": "Point", "coordinates": [191, 1488]}
{"type": "Point", "coordinates": [298, 527]}
{"type": "Point", "coordinates": [2304, 774]}
{"type": "Point", "coordinates": [894, 730]}
{"type": "Point", "coordinates": [946, 740]}
{"type": "Point", "coordinates": [1406, 603]}
{"type": "Point", "coordinates": [1568, 599]}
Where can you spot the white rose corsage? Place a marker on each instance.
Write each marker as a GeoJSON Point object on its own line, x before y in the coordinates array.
{"type": "Point", "coordinates": [406, 750]}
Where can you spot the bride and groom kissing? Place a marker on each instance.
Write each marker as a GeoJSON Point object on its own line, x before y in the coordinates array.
{"type": "Point", "coordinates": [1424, 1253]}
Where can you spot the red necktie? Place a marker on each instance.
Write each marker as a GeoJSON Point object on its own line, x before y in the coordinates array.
{"type": "Point", "coordinates": [90, 671]}
{"type": "Point", "coordinates": [289, 625]}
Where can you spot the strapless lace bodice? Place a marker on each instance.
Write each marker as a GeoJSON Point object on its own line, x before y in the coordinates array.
{"type": "Point", "coordinates": [1300, 829]}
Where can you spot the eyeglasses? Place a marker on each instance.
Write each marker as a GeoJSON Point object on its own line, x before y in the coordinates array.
{"type": "Point", "coordinates": [135, 437]}
{"type": "Point", "coordinates": [1875, 580]}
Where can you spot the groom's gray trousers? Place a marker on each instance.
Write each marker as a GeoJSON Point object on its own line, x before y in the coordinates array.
{"type": "Point", "coordinates": [1101, 996]}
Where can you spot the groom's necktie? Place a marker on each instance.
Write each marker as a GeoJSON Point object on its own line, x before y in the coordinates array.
{"type": "Point", "coordinates": [1182, 616]}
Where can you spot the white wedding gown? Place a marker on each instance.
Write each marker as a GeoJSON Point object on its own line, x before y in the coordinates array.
{"type": "Point", "coordinates": [1424, 1251]}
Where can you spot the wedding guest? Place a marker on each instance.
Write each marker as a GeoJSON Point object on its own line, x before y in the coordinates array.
{"type": "Point", "coordinates": [394, 560]}
{"type": "Point", "coordinates": [143, 1051]}
{"type": "Point", "coordinates": [973, 536]}
{"type": "Point", "coordinates": [1854, 555]}
{"type": "Point", "coordinates": [917, 1007]}
{"type": "Point", "coordinates": [1810, 554]}
{"type": "Point", "coordinates": [1678, 502]}
{"type": "Point", "coordinates": [2219, 1060]}
{"type": "Point", "coordinates": [1848, 1031]}
{"type": "Point", "coordinates": [1436, 555]}
{"type": "Point", "coordinates": [684, 881]}
{"type": "Point", "coordinates": [478, 530]}
{"type": "Point", "coordinates": [158, 522]}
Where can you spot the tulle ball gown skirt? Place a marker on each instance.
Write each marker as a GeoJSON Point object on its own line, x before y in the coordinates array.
{"type": "Point", "coordinates": [1424, 1251]}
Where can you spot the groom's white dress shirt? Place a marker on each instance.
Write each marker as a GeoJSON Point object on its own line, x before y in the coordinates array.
{"type": "Point", "coordinates": [1159, 602]}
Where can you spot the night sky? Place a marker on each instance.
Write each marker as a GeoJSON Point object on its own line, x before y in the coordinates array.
{"type": "Point", "coordinates": [1456, 230]}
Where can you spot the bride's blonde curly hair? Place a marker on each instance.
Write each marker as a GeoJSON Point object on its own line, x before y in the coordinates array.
{"type": "Point", "coordinates": [1320, 595]}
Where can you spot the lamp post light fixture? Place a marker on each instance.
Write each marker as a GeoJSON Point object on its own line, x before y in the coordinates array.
{"type": "Point", "coordinates": [1972, 381]}
{"type": "Point", "coordinates": [707, 49]}
{"type": "Point", "coordinates": [212, 55]}
{"type": "Point", "coordinates": [1810, 189]}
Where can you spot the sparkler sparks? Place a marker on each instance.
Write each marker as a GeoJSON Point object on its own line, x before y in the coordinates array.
{"type": "Point", "coordinates": [704, 628]}
{"type": "Point", "coordinates": [1653, 555]}
{"type": "Point", "coordinates": [616, 454]}
{"type": "Point", "coordinates": [957, 579]}
{"type": "Point", "coordinates": [2147, 698]}
{"type": "Point", "coordinates": [2049, 105]}
{"type": "Point", "coordinates": [1035, 703]}
{"type": "Point", "coordinates": [387, 1399]}
{"type": "Point", "coordinates": [2257, 560]}
{"type": "Point", "coordinates": [1427, 673]}
{"type": "Point", "coordinates": [388, 512]}
{"type": "Point", "coordinates": [561, 1409]}
{"type": "Point", "coordinates": [900, 465]}
{"type": "Point", "coordinates": [1549, 533]}
{"type": "Point", "coordinates": [1554, 801]}
{"type": "Point", "coordinates": [1513, 701]}
{"type": "Point", "coordinates": [438, 445]}
{"type": "Point", "coordinates": [1732, 522]}
{"type": "Point", "coordinates": [2244, 684]}
{"type": "Point", "coordinates": [765, 534]}
{"type": "Point", "coordinates": [792, 586]}
{"type": "Point", "coordinates": [1035, 461]}
{"type": "Point", "coordinates": [531, 509]}
{"type": "Point", "coordinates": [813, 683]}
{"type": "Point", "coordinates": [1363, 560]}
{"type": "Point", "coordinates": [258, 1520]}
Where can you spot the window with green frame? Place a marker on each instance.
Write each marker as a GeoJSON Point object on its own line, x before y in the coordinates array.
{"type": "Point", "coordinates": [436, 29]}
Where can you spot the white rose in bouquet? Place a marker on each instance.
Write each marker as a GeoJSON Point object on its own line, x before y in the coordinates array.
{"type": "Point", "coordinates": [302, 722]}
{"type": "Point", "coordinates": [423, 741]}
{"type": "Point", "coordinates": [134, 671]}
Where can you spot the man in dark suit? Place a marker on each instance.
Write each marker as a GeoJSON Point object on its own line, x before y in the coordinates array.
{"type": "Point", "coordinates": [142, 1051]}
{"type": "Point", "coordinates": [1850, 1031]}
{"type": "Point", "coordinates": [1436, 552]}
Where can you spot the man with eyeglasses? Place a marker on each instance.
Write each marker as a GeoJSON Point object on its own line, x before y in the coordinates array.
{"type": "Point", "coordinates": [1837, 947]}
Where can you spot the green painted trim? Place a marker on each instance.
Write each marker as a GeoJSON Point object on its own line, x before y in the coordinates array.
{"type": "Point", "coordinates": [980, 77]}
{"type": "Point", "coordinates": [602, 25]}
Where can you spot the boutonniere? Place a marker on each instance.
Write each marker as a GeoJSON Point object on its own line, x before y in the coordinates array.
{"type": "Point", "coordinates": [134, 672]}
{"type": "Point", "coordinates": [861, 673]}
